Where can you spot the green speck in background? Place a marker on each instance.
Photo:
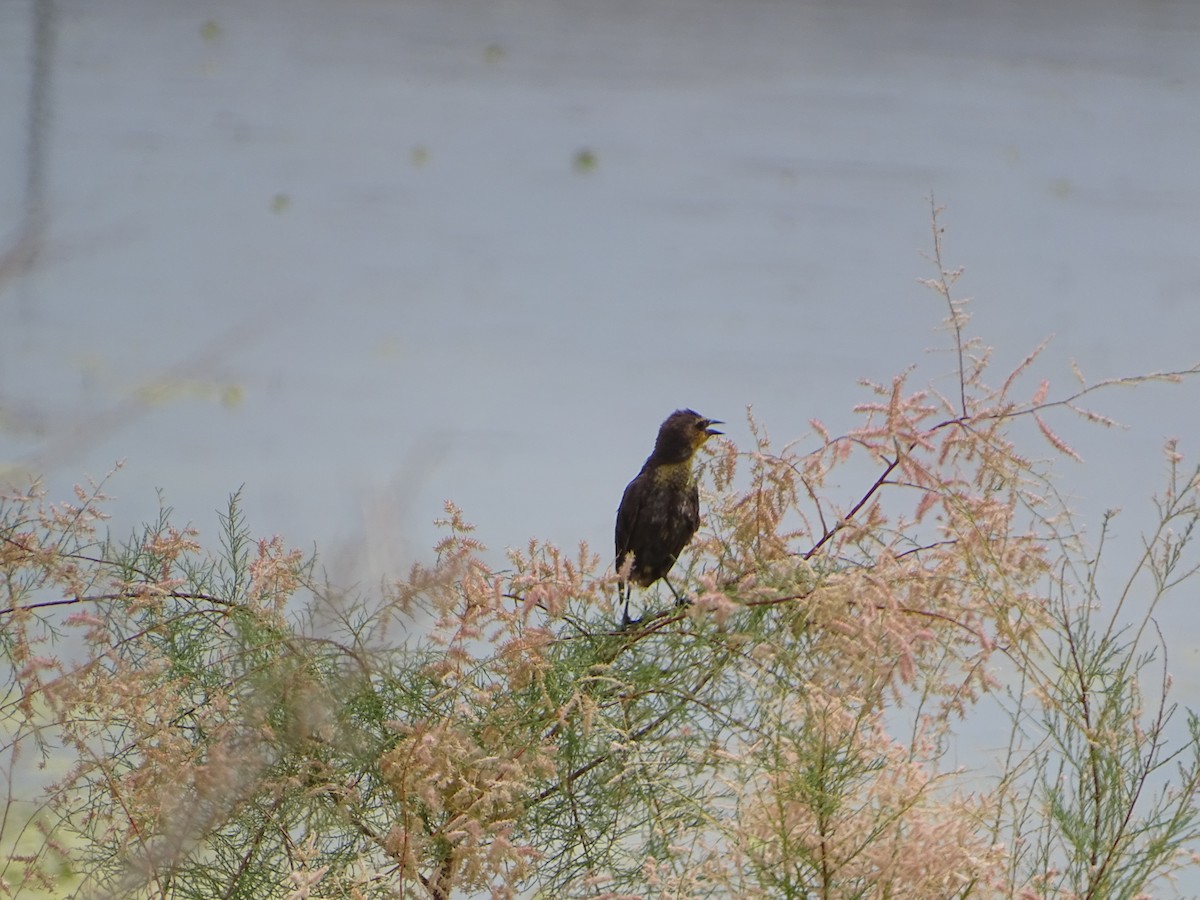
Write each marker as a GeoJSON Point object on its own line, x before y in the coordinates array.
{"type": "Point", "coordinates": [210, 30]}
{"type": "Point", "coordinates": [164, 391]}
{"type": "Point", "coordinates": [493, 54]}
{"type": "Point", "coordinates": [585, 161]}
{"type": "Point", "coordinates": [419, 155]}
{"type": "Point", "coordinates": [232, 396]}
{"type": "Point", "coordinates": [280, 202]}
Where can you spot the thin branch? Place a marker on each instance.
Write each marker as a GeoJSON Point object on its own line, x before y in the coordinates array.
{"type": "Point", "coordinates": [845, 520]}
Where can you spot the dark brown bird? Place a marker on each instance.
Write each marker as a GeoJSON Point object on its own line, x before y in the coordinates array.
{"type": "Point", "coordinates": [660, 510]}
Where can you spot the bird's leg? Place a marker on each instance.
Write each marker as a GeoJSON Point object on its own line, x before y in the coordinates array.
{"type": "Point", "coordinates": [680, 599]}
{"type": "Point", "coordinates": [627, 592]}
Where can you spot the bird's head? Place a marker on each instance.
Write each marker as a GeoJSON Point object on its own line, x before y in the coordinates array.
{"type": "Point", "coordinates": [682, 434]}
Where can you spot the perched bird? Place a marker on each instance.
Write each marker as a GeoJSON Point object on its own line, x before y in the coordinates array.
{"type": "Point", "coordinates": [660, 510]}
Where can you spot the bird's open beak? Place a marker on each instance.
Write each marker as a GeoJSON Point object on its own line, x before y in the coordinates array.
{"type": "Point", "coordinates": [712, 431]}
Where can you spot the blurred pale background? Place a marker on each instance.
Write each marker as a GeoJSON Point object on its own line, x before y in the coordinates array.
{"type": "Point", "coordinates": [363, 256]}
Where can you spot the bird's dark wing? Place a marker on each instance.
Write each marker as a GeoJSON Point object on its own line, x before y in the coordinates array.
{"type": "Point", "coordinates": [627, 517]}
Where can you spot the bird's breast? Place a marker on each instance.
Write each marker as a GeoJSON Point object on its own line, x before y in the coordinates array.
{"type": "Point", "coordinates": [676, 475]}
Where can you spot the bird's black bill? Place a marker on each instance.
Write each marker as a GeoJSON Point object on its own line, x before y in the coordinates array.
{"type": "Point", "coordinates": [713, 431]}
